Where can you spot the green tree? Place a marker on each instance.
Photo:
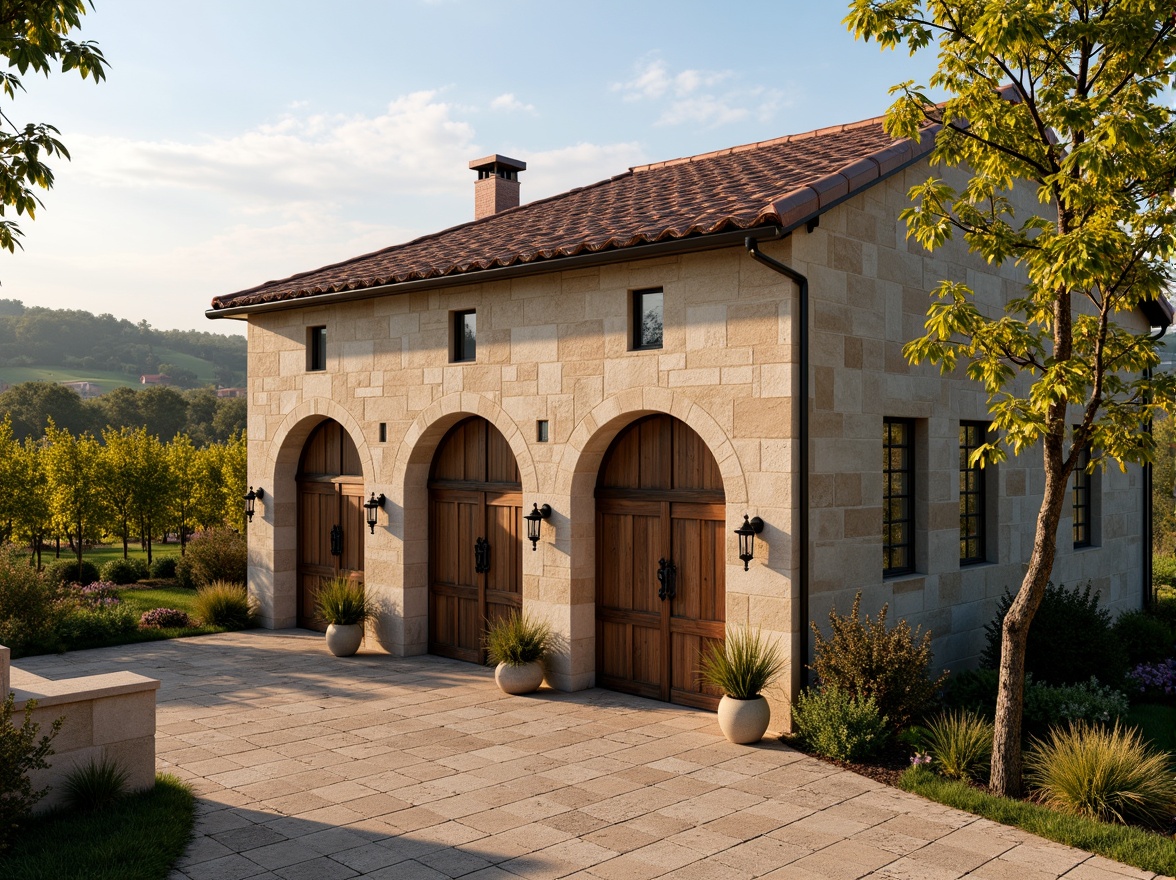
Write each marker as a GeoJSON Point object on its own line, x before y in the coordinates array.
{"type": "Point", "coordinates": [119, 475]}
{"type": "Point", "coordinates": [164, 411]}
{"type": "Point", "coordinates": [1164, 488]}
{"type": "Point", "coordinates": [11, 479]}
{"type": "Point", "coordinates": [72, 469]}
{"type": "Point", "coordinates": [117, 408]}
{"type": "Point", "coordinates": [32, 405]}
{"type": "Point", "coordinates": [234, 472]}
{"type": "Point", "coordinates": [33, 516]}
{"type": "Point", "coordinates": [184, 461]}
{"type": "Point", "coordinates": [34, 35]}
{"type": "Point", "coordinates": [154, 484]}
{"type": "Point", "coordinates": [1066, 99]}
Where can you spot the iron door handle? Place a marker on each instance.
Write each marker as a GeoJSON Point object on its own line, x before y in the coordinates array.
{"type": "Point", "coordinates": [667, 575]}
{"type": "Point", "coordinates": [336, 540]}
{"type": "Point", "coordinates": [481, 556]}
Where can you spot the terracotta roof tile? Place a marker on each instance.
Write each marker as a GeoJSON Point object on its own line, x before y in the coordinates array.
{"type": "Point", "coordinates": [781, 181]}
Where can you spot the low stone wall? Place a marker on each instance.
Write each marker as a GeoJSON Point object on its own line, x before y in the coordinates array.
{"type": "Point", "coordinates": [109, 716]}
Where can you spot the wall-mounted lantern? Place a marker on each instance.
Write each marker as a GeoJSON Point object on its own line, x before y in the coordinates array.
{"type": "Point", "coordinates": [250, 498]}
{"type": "Point", "coordinates": [747, 532]}
{"type": "Point", "coordinates": [376, 502]}
{"type": "Point", "coordinates": [534, 518]}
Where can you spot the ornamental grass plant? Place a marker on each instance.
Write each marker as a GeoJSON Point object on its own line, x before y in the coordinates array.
{"type": "Point", "coordinates": [1105, 773]}
{"type": "Point", "coordinates": [342, 602]}
{"type": "Point", "coordinates": [223, 603]}
{"type": "Point", "coordinates": [95, 785]}
{"type": "Point", "coordinates": [959, 744]}
{"type": "Point", "coordinates": [740, 666]}
{"type": "Point", "coordinates": [517, 639]}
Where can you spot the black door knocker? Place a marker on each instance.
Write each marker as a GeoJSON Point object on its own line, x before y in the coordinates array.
{"type": "Point", "coordinates": [667, 573]}
{"type": "Point", "coordinates": [481, 556]}
{"type": "Point", "coordinates": [336, 540]}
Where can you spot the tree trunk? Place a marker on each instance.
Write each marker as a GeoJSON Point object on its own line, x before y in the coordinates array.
{"type": "Point", "coordinates": [1006, 744]}
{"type": "Point", "coordinates": [148, 541]}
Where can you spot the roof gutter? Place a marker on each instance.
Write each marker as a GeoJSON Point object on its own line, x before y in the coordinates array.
{"type": "Point", "coordinates": [556, 264]}
{"type": "Point", "coordinates": [802, 522]}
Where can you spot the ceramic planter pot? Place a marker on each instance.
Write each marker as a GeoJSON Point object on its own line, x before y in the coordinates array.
{"type": "Point", "coordinates": [523, 679]}
{"type": "Point", "coordinates": [744, 721]}
{"type": "Point", "coordinates": [343, 638]}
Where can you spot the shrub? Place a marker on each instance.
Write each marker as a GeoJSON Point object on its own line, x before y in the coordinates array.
{"type": "Point", "coordinates": [517, 639]}
{"type": "Point", "coordinates": [839, 724]}
{"type": "Point", "coordinates": [20, 752]}
{"type": "Point", "coordinates": [124, 571]}
{"type": "Point", "coordinates": [217, 555]}
{"type": "Point", "coordinates": [1164, 571]}
{"type": "Point", "coordinates": [163, 567]}
{"type": "Point", "coordinates": [84, 627]}
{"type": "Point", "coordinates": [1045, 706]}
{"type": "Point", "coordinates": [165, 618]}
{"type": "Point", "coordinates": [1070, 640]}
{"type": "Point", "coordinates": [96, 595]}
{"type": "Point", "coordinates": [342, 601]}
{"type": "Point", "coordinates": [1109, 774]}
{"type": "Point", "coordinates": [226, 604]}
{"type": "Point", "coordinates": [1144, 637]}
{"type": "Point", "coordinates": [959, 744]}
{"type": "Point", "coordinates": [30, 606]}
{"type": "Point", "coordinates": [95, 785]}
{"type": "Point", "coordinates": [66, 571]}
{"type": "Point", "coordinates": [185, 575]}
{"type": "Point", "coordinates": [1154, 680]}
{"type": "Point", "coordinates": [869, 660]}
{"type": "Point", "coordinates": [740, 666]}
{"type": "Point", "coordinates": [1164, 606]}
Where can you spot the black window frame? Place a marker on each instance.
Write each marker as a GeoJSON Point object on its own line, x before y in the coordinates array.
{"type": "Point", "coordinates": [898, 531]}
{"type": "Point", "coordinates": [460, 342]}
{"type": "Point", "coordinates": [973, 517]}
{"type": "Point", "coordinates": [1081, 501]}
{"type": "Point", "coordinates": [316, 349]}
{"type": "Point", "coordinates": [638, 315]}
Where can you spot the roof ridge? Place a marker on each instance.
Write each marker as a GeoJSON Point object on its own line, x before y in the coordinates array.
{"type": "Point", "coordinates": [755, 145]}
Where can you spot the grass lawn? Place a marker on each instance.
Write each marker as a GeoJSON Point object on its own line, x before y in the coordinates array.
{"type": "Point", "coordinates": [1123, 843]}
{"type": "Point", "coordinates": [105, 553]}
{"type": "Point", "coordinates": [139, 838]}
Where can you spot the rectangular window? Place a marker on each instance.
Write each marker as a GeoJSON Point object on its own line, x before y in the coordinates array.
{"type": "Point", "coordinates": [1081, 501]}
{"type": "Point", "coordinates": [647, 319]}
{"type": "Point", "coordinates": [541, 432]}
{"type": "Point", "coordinates": [465, 336]}
{"type": "Point", "coordinates": [316, 348]}
{"type": "Point", "coordinates": [898, 496]}
{"type": "Point", "coordinates": [973, 509]}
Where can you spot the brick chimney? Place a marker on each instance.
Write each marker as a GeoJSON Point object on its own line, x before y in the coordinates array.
{"type": "Point", "coordinates": [497, 186]}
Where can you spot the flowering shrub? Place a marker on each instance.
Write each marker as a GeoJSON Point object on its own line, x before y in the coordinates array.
{"type": "Point", "coordinates": [1155, 679]}
{"type": "Point", "coordinates": [165, 618]}
{"type": "Point", "coordinates": [100, 594]}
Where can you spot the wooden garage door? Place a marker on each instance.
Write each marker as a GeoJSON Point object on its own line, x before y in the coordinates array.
{"type": "Point", "coordinates": [659, 508]}
{"type": "Point", "coordinates": [474, 495]}
{"type": "Point", "coordinates": [330, 499]}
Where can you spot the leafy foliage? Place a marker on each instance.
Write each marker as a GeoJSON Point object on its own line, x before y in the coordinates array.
{"type": "Point", "coordinates": [1144, 637]}
{"type": "Point", "coordinates": [95, 785]}
{"type": "Point", "coordinates": [31, 609]}
{"type": "Point", "coordinates": [67, 571]}
{"type": "Point", "coordinates": [517, 639]}
{"type": "Point", "coordinates": [165, 618]}
{"type": "Point", "coordinates": [742, 665]}
{"type": "Point", "coordinates": [223, 603]}
{"type": "Point", "coordinates": [1070, 642]}
{"type": "Point", "coordinates": [1102, 773]}
{"type": "Point", "coordinates": [20, 752]}
{"type": "Point", "coordinates": [163, 567]}
{"type": "Point", "coordinates": [124, 571]}
{"type": "Point", "coordinates": [1046, 705]}
{"type": "Point", "coordinates": [342, 601]}
{"type": "Point", "coordinates": [216, 555]}
{"type": "Point", "coordinates": [865, 658]}
{"type": "Point", "coordinates": [959, 743]}
{"type": "Point", "coordinates": [839, 724]}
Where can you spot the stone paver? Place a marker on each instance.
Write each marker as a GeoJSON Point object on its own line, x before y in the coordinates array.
{"type": "Point", "coordinates": [310, 766]}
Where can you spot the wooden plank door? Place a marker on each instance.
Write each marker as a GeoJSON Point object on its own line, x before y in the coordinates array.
{"type": "Point", "coordinates": [318, 510]}
{"type": "Point", "coordinates": [659, 497]}
{"type": "Point", "coordinates": [456, 520]}
{"type": "Point", "coordinates": [503, 584]}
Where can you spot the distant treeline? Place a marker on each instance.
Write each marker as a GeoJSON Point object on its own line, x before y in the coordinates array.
{"type": "Point", "coordinates": [164, 412]}
{"type": "Point", "coordinates": [35, 336]}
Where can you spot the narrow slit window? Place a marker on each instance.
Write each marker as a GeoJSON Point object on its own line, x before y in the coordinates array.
{"type": "Point", "coordinates": [647, 319]}
{"type": "Point", "coordinates": [972, 499]}
{"type": "Point", "coordinates": [541, 432]}
{"type": "Point", "coordinates": [465, 336]}
{"type": "Point", "coordinates": [898, 496]}
{"type": "Point", "coordinates": [1081, 500]}
{"type": "Point", "coordinates": [316, 348]}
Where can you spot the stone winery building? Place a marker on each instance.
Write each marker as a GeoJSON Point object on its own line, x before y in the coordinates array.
{"type": "Point", "coordinates": [652, 359]}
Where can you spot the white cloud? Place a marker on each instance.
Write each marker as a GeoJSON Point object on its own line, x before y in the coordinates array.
{"type": "Point", "coordinates": [692, 97]}
{"type": "Point", "coordinates": [510, 103]}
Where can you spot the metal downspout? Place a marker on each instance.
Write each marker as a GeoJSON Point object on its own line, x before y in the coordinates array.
{"type": "Point", "coordinates": [802, 522]}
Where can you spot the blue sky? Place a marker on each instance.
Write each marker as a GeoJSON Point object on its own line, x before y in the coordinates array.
{"type": "Point", "coordinates": [236, 141]}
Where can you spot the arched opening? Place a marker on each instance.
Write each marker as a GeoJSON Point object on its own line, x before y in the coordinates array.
{"type": "Point", "coordinates": [330, 515]}
{"type": "Point", "coordinates": [475, 541]}
{"type": "Point", "coordinates": [660, 561]}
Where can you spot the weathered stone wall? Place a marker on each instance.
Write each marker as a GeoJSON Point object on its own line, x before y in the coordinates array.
{"type": "Point", "coordinates": [556, 347]}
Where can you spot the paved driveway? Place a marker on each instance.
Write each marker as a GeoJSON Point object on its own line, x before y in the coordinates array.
{"type": "Point", "coordinates": [310, 767]}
